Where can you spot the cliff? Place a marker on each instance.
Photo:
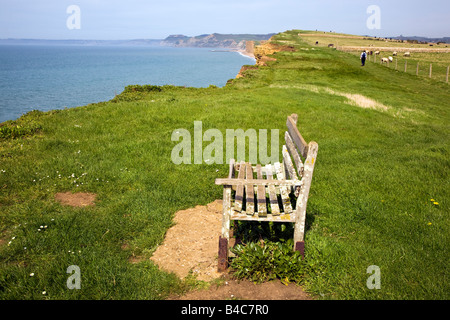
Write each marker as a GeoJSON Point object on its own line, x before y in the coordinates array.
{"type": "Point", "coordinates": [215, 40]}
{"type": "Point", "coordinates": [262, 53]}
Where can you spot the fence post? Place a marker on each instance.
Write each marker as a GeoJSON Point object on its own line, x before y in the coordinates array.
{"type": "Point", "coordinates": [431, 67]}
{"type": "Point", "coordinates": [417, 69]}
{"type": "Point", "coordinates": [396, 60]}
{"type": "Point", "coordinates": [446, 77]}
{"type": "Point", "coordinates": [406, 63]}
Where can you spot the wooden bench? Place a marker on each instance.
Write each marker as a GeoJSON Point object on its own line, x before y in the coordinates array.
{"type": "Point", "coordinates": [268, 196]}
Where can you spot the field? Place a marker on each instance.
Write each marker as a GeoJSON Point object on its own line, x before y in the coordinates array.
{"type": "Point", "coordinates": [379, 196]}
{"type": "Point", "coordinates": [421, 54]}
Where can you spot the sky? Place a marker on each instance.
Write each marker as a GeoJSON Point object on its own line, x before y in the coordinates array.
{"type": "Point", "coordinates": [149, 19]}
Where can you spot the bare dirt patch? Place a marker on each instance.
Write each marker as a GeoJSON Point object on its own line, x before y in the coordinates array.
{"type": "Point", "coordinates": [247, 290]}
{"type": "Point", "coordinates": [192, 243]}
{"type": "Point", "coordinates": [79, 199]}
{"type": "Point", "coordinates": [191, 246]}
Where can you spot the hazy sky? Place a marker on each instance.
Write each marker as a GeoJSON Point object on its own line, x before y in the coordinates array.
{"type": "Point", "coordinates": [133, 19]}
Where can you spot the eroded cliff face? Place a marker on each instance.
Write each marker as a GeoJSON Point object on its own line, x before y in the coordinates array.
{"type": "Point", "coordinates": [262, 53]}
{"type": "Point", "coordinates": [266, 49]}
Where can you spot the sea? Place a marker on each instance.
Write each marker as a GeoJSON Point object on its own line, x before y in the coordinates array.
{"type": "Point", "coordinates": [48, 77]}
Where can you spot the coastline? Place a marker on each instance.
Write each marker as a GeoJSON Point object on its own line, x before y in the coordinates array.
{"type": "Point", "coordinates": [246, 54]}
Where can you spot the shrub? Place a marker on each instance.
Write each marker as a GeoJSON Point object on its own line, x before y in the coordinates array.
{"type": "Point", "coordinates": [269, 261]}
{"type": "Point", "coordinates": [144, 88]}
{"type": "Point", "coordinates": [26, 125]}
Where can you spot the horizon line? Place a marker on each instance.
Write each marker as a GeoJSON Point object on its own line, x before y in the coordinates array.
{"type": "Point", "coordinates": [144, 39]}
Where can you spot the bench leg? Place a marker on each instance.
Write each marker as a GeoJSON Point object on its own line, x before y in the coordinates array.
{"type": "Point", "coordinates": [223, 254]}
{"type": "Point", "coordinates": [299, 232]}
{"type": "Point", "coordinates": [223, 239]}
{"type": "Point", "coordinates": [300, 247]}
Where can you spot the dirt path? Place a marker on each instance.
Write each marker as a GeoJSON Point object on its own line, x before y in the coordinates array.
{"type": "Point", "coordinates": [246, 290]}
{"type": "Point", "coordinates": [191, 246]}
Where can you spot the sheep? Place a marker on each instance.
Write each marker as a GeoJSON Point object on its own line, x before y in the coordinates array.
{"type": "Point", "coordinates": [391, 59]}
{"type": "Point", "coordinates": [407, 54]}
{"type": "Point", "coordinates": [377, 52]}
{"type": "Point", "coordinates": [384, 60]}
{"type": "Point", "coordinates": [394, 53]}
{"type": "Point", "coordinates": [330, 45]}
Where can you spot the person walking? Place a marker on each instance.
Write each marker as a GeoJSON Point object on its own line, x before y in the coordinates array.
{"type": "Point", "coordinates": [363, 58]}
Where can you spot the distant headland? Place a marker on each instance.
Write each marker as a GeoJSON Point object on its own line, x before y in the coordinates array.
{"type": "Point", "coordinates": [215, 40]}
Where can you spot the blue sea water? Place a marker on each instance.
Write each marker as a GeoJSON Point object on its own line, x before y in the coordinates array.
{"type": "Point", "coordinates": [34, 77]}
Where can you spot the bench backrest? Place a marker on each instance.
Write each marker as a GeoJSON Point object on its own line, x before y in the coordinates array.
{"type": "Point", "coordinates": [295, 135]}
{"type": "Point", "coordinates": [296, 146]}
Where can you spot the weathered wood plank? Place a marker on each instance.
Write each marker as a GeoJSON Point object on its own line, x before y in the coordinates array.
{"type": "Point", "coordinates": [226, 205]}
{"type": "Point", "coordinates": [288, 165]}
{"type": "Point", "coordinates": [300, 210]}
{"type": "Point", "coordinates": [269, 217]}
{"type": "Point", "coordinates": [226, 211]}
{"type": "Point", "coordinates": [249, 191]}
{"type": "Point", "coordinates": [258, 182]}
{"type": "Point", "coordinates": [289, 169]}
{"type": "Point", "coordinates": [294, 154]}
{"type": "Point", "coordinates": [239, 197]}
{"type": "Point", "coordinates": [296, 136]}
{"type": "Point", "coordinates": [272, 193]}
{"type": "Point", "coordinates": [261, 194]}
{"type": "Point", "coordinates": [294, 117]}
{"type": "Point", "coordinates": [231, 170]}
{"type": "Point", "coordinates": [284, 190]}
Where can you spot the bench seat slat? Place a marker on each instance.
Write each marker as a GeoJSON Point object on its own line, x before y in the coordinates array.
{"type": "Point", "coordinates": [239, 197]}
{"type": "Point", "coordinates": [249, 191]}
{"type": "Point", "coordinates": [258, 182]}
{"type": "Point", "coordinates": [272, 193]}
{"type": "Point", "coordinates": [261, 194]}
{"type": "Point", "coordinates": [284, 190]}
{"type": "Point", "coordinates": [268, 217]}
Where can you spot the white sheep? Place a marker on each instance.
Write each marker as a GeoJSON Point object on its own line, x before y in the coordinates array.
{"type": "Point", "coordinates": [377, 52]}
{"type": "Point", "coordinates": [384, 60]}
{"type": "Point", "coordinates": [407, 54]}
{"type": "Point", "coordinates": [394, 53]}
{"type": "Point", "coordinates": [391, 59]}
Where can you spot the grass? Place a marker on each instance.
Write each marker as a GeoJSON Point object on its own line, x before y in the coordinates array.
{"type": "Point", "coordinates": [370, 201]}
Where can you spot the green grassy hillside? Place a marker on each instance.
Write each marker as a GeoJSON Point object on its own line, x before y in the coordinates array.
{"type": "Point", "coordinates": [384, 151]}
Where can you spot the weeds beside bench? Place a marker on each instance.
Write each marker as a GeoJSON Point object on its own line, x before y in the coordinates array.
{"type": "Point", "coordinates": [279, 193]}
